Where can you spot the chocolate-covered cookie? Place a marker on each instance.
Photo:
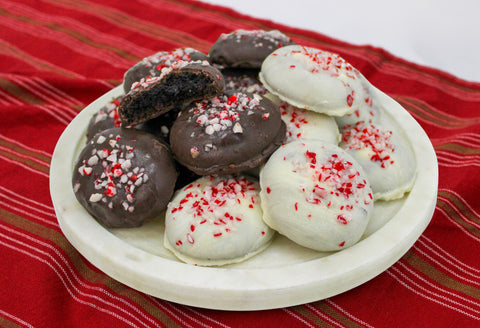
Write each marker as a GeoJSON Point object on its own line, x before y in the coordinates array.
{"type": "Point", "coordinates": [152, 66]}
{"type": "Point", "coordinates": [181, 83]}
{"type": "Point", "coordinates": [106, 118]}
{"type": "Point", "coordinates": [243, 80]}
{"type": "Point", "coordinates": [248, 49]}
{"type": "Point", "coordinates": [227, 133]}
{"type": "Point", "coordinates": [124, 177]}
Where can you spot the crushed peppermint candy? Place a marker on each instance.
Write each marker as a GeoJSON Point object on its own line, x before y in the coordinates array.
{"type": "Point", "coordinates": [336, 184]}
{"type": "Point", "coordinates": [167, 58]}
{"type": "Point", "coordinates": [223, 112]}
{"type": "Point", "coordinates": [294, 119]}
{"type": "Point", "coordinates": [368, 136]}
{"type": "Point", "coordinates": [244, 84]}
{"type": "Point", "coordinates": [147, 81]}
{"type": "Point", "coordinates": [118, 173]}
{"type": "Point", "coordinates": [110, 111]}
{"type": "Point", "coordinates": [326, 61]}
{"type": "Point", "coordinates": [274, 36]}
{"type": "Point", "coordinates": [211, 204]}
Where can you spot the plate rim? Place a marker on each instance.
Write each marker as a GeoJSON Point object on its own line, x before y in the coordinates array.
{"type": "Point", "coordinates": [236, 288]}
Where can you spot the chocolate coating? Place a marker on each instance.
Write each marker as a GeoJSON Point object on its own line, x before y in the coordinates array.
{"type": "Point", "coordinates": [227, 134]}
{"type": "Point", "coordinates": [243, 80]}
{"type": "Point", "coordinates": [106, 118]}
{"type": "Point", "coordinates": [151, 98]}
{"type": "Point", "coordinates": [246, 49]}
{"type": "Point", "coordinates": [152, 66]}
{"type": "Point", "coordinates": [124, 177]}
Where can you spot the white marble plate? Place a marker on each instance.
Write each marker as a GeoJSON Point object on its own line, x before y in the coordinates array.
{"type": "Point", "coordinates": [283, 275]}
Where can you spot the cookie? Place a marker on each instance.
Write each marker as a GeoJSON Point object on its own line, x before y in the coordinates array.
{"type": "Point", "coordinates": [106, 118]}
{"type": "Point", "coordinates": [227, 133]}
{"type": "Point", "coordinates": [306, 124]}
{"type": "Point", "coordinates": [216, 221]}
{"type": "Point", "coordinates": [180, 83]}
{"type": "Point", "coordinates": [316, 195]}
{"type": "Point", "coordinates": [384, 153]}
{"type": "Point", "coordinates": [246, 49]}
{"type": "Point", "coordinates": [124, 177]}
{"type": "Point", "coordinates": [313, 79]}
{"type": "Point", "coordinates": [152, 66]}
{"type": "Point", "coordinates": [243, 80]}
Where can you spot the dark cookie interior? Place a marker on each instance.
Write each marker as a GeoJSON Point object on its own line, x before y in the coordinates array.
{"type": "Point", "coordinates": [246, 49]}
{"type": "Point", "coordinates": [152, 66]}
{"type": "Point", "coordinates": [124, 177]}
{"type": "Point", "coordinates": [192, 82]}
{"type": "Point", "coordinates": [227, 134]}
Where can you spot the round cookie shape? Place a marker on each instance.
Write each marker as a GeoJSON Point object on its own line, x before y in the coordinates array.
{"type": "Point", "coordinates": [385, 154]}
{"type": "Point", "coordinates": [152, 66]}
{"type": "Point", "coordinates": [124, 177]}
{"type": "Point", "coordinates": [246, 48]}
{"type": "Point", "coordinates": [216, 221]}
{"type": "Point", "coordinates": [107, 117]}
{"type": "Point", "coordinates": [226, 134]}
{"type": "Point", "coordinates": [313, 79]}
{"type": "Point", "coordinates": [316, 195]}
{"type": "Point", "coordinates": [306, 124]}
{"type": "Point", "coordinates": [180, 83]}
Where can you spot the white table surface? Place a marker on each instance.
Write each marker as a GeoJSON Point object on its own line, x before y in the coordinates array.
{"type": "Point", "coordinates": [441, 34]}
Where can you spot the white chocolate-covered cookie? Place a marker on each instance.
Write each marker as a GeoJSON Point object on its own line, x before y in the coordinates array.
{"type": "Point", "coordinates": [306, 124]}
{"type": "Point", "coordinates": [368, 110]}
{"type": "Point", "coordinates": [216, 221]}
{"type": "Point", "coordinates": [315, 194]}
{"type": "Point", "coordinates": [385, 154]}
{"type": "Point", "coordinates": [313, 79]}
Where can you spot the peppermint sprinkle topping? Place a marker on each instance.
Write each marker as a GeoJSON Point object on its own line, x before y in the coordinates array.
{"type": "Point", "coordinates": [245, 84]}
{"type": "Point", "coordinates": [335, 184]}
{"type": "Point", "coordinates": [273, 36]}
{"type": "Point", "coordinates": [116, 174]}
{"type": "Point", "coordinates": [165, 59]}
{"type": "Point", "coordinates": [211, 203]}
{"type": "Point", "coordinates": [223, 112]}
{"type": "Point", "coordinates": [146, 82]}
{"type": "Point", "coordinates": [361, 136]}
{"type": "Point", "coordinates": [327, 62]}
{"type": "Point", "coordinates": [295, 120]}
{"type": "Point", "coordinates": [110, 111]}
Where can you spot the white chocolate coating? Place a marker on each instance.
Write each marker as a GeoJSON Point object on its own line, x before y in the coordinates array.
{"type": "Point", "coordinates": [385, 154]}
{"type": "Point", "coordinates": [305, 124]}
{"type": "Point", "coordinates": [313, 79]}
{"type": "Point", "coordinates": [368, 111]}
{"type": "Point", "coordinates": [315, 194]}
{"type": "Point", "coordinates": [216, 221]}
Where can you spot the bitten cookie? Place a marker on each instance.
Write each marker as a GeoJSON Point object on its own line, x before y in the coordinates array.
{"type": "Point", "coordinates": [180, 83]}
{"type": "Point", "coordinates": [247, 49]}
{"type": "Point", "coordinates": [124, 177]}
{"type": "Point", "coordinates": [315, 194]}
{"type": "Point", "coordinates": [216, 221]}
{"type": "Point", "coordinates": [152, 66]}
{"type": "Point", "coordinates": [227, 134]}
{"type": "Point", "coordinates": [313, 79]}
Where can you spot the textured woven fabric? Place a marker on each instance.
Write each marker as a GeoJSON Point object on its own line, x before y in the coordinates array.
{"type": "Point", "coordinates": [57, 56]}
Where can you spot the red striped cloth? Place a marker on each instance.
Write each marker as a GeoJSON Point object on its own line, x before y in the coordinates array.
{"type": "Point", "coordinates": [56, 56]}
